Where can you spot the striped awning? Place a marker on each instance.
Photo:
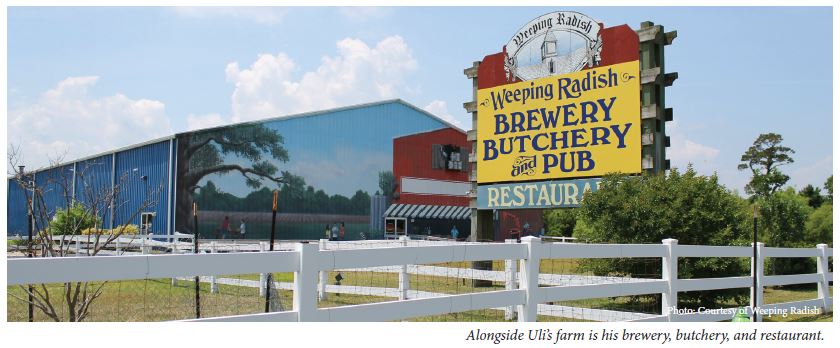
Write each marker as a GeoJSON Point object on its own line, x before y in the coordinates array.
{"type": "Point", "coordinates": [445, 212]}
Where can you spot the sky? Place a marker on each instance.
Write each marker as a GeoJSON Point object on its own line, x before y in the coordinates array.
{"type": "Point", "coordinates": [84, 80]}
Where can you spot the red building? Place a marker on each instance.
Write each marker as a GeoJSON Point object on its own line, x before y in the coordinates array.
{"type": "Point", "coordinates": [431, 174]}
{"type": "Point", "coordinates": [431, 194]}
{"type": "Point", "coordinates": [431, 168]}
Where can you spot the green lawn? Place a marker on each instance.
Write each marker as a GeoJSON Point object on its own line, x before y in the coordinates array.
{"type": "Point", "coordinates": [159, 300]}
{"type": "Point", "coordinates": [790, 295]}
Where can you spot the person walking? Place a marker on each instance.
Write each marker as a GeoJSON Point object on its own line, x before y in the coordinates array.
{"type": "Point", "coordinates": [334, 232]}
{"type": "Point", "coordinates": [454, 232]}
{"type": "Point", "coordinates": [327, 232]}
{"type": "Point", "coordinates": [341, 232]}
{"type": "Point", "coordinates": [225, 227]}
{"type": "Point", "coordinates": [242, 229]}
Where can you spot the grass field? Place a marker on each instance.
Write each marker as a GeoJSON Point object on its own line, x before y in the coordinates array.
{"type": "Point", "coordinates": [160, 300]}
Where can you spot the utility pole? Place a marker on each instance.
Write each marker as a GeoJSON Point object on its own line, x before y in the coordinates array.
{"type": "Point", "coordinates": [268, 278]}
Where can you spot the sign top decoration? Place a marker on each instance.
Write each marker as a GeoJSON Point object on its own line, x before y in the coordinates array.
{"type": "Point", "coordinates": [553, 44]}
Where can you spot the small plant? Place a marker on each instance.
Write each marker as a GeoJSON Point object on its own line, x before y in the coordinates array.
{"type": "Point", "coordinates": [126, 229]}
{"type": "Point", "coordinates": [72, 221]}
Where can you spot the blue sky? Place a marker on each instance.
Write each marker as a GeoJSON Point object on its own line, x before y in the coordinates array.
{"type": "Point", "coordinates": [89, 79]}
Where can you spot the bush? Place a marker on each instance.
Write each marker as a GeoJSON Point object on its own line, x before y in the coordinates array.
{"type": "Point", "coordinates": [782, 218]}
{"type": "Point", "coordinates": [781, 223]}
{"type": "Point", "coordinates": [820, 225]}
{"type": "Point", "coordinates": [72, 221]}
{"type": "Point", "coordinates": [126, 229]}
{"type": "Point", "coordinates": [95, 231]}
{"type": "Point", "coordinates": [560, 222]}
{"type": "Point", "coordinates": [694, 209]}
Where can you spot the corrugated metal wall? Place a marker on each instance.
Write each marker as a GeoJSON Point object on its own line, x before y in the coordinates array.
{"type": "Point", "coordinates": [55, 191]}
{"type": "Point", "coordinates": [378, 204]}
{"type": "Point", "coordinates": [142, 176]}
{"type": "Point", "coordinates": [173, 159]}
{"type": "Point", "coordinates": [93, 185]}
{"type": "Point", "coordinates": [90, 182]}
{"type": "Point", "coordinates": [339, 154]}
{"type": "Point", "coordinates": [15, 209]}
{"type": "Point", "coordinates": [150, 168]}
{"type": "Point", "coordinates": [413, 158]}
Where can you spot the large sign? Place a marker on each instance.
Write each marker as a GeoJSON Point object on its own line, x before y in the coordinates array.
{"type": "Point", "coordinates": [581, 124]}
{"type": "Point", "coordinates": [542, 194]}
{"type": "Point", "coordinates": [552, 44]}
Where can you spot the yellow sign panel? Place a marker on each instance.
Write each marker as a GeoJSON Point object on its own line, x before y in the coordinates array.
{"type": "Point", "coordinates": [581, 124]}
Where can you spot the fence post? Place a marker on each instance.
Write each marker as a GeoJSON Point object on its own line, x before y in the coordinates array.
{"type": "Point", "coordinates": [149, 244]}
{"type": "Point", "coordinates": [403, 279]}
{"type": "Point", "coordinates": [322, 275]}
{"type": "Point", "coordinates": [669, 274]}
{"type": "Point", "coordinates": [143, 249]}
{"type": "Point", "coordinates": [78, 245]}
{"type": "Point", "coordinates": [263, 247]}
{"type": "Point", "coordinates": [174, 252]}
{"type": "Point", "coordinates": [304, 299]}
{"type": "Point", "coordinates": [214, 288]}
{"type": "Point", "coordinates": [510, 281]}
{"type": "Point", "coordinates": [758, 266]}
{"type": "Point", "coordinates": [530, 280]}
{"type": "Point", "coordinates": [823, 292]}
{"type": "Point", "coordinates": [118, 247]}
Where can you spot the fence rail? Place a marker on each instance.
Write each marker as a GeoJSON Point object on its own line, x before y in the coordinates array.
{"type": "Point", "coordinates": [310, 261]}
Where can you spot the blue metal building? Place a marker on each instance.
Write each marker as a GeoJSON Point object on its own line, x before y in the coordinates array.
{"type": "Point", "coordinates": [336, 160]}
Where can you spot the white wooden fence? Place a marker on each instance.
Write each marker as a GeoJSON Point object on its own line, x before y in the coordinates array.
{"type": "Point", "coordinates": [308, 260]}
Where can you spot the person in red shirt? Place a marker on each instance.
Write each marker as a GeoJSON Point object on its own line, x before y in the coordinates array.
{"type": "Point", "coordinates": [341, 232]}
{"type": "Point", "coordinates": [225, 227]}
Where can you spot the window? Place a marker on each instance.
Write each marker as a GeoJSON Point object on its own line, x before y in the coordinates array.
{"type": "Point", "coordinates": [449, 157]}
{"type": "Point", "coordinates": [549, 48]}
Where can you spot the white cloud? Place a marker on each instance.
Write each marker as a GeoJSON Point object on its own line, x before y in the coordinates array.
{"type": "Point", "coordinates": [262, 15]}
{"type": "Point", "coordinates": [439, 109]}
{"type": "Point", "coordinates": [195, 122]}
{"type": "Point", "coordinates": [684, 151]}
{"type": "Point", "coordinates": [67, 120]}
{"type": "Point", "coordinates": [358, 74]}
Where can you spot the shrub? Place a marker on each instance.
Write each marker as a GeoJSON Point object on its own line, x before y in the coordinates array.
{"type": "Point", "coordinates": [820, 225]}
{"type": "Point", "coordinates": [126, 229]}
{"type": "Point", "coordinates": [691, 208]}
{"type": "Point", "coordinates": [781, 223]}
{"type": "Point", "coordinates": [72, 221]}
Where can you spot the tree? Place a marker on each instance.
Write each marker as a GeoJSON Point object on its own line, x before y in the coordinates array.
{"type": "Point", "coordinates": [820, 226]}
{"type": "Point", "coordinates": [560, 222]}
{"type": "Point", "coordinates": [782, 217]}
{"type": "Point", "coordinates": [78, 212]}
{"type": "Point", "coordinates": [781, 223]}
{"type": "Point", "coordinates": [360, 202]}
{"type": "Point", "coordinates": [829, 187]}
{"type": "Point", "coordinates": [694, 209]}
{"type": "Point", "coordinates": [388, 185]}
{"type": "Point", "coordinates": [763, 159]}
{"type": "Point", "coordinates": [812, 194]}
{"type": "Point", "coordinates": [204, 153]}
